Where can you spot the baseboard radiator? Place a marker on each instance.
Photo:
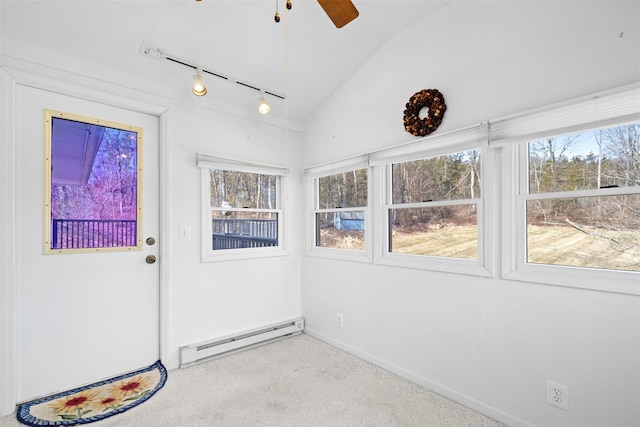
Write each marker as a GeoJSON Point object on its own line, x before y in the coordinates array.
{"type": "Point", "coordinates": [219, 347]}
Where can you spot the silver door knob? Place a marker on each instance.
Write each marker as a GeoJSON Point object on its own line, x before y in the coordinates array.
{"type": "Point", "coordinates": [150, 259]}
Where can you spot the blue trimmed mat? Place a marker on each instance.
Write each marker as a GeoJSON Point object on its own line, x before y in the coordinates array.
{"type": "Point", "coordinates": [94, 402]}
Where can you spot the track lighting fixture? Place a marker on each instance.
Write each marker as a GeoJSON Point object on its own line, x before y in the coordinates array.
{"type": "Point", "coordinates": [263, 106]}
{"type": "Point", "coordinates": [198, 87]}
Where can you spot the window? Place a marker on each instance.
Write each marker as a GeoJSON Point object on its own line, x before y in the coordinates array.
{"type": "Point", "coordinates": [582, 199]}
{"type": "Point", "coordinates": [431, 203]}
{"type": "Point", "coordinates": [243, 213]}
{"type": "Point", "coordinates": [93, 185]}
{"type": "Point", "coordinates": [416, 205]}
{"type": "Point", "coordinates": [570, 191]}
{"type": "Point", "coordinates": [434, 206]}
{"type": "Point", "coordinates": [241, 210]}
{"type": "Point", "coordinates": [340, 213]}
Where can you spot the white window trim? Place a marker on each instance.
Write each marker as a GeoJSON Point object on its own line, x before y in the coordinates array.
{"type": "Point", "coordinates": [604, 109]}
{"type": "Point", "coordinates": [206, 163]}
{"type": "Point", "coordinates": [470, 138]}
{"type": "Point", "coordinates": [312, 176]}
{"type": "Point", "coordinates": [213, 162]}
{"type": "Point", "coordinates": [483, 266]}
{"type": "Point", "coordinates": [336, 167]}
{"type": "Point", "coordinates": [515, 194]}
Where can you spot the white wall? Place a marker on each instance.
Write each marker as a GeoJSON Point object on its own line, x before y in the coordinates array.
{"type": "Point", "coordinates": [488, 343]}
{"type": "Point", "coordinates": [208, 300]}
{"type": "Point", "coordinates": [489, 59]}
{"type": "Point", "coordinates": [201, 300]}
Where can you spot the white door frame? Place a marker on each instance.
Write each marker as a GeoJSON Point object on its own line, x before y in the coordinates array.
{"type": "Point", "coordinates": [8, 281]}
{"type": "Point", "coordinates": [9, 78]}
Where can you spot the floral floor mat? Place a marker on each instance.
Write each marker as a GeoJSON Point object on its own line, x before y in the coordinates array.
{"type": "Point", "coordinates": [94, 402]}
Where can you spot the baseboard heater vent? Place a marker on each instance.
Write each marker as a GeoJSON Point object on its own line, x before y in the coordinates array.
{"type": "Point", "coordinates": [207, 350]}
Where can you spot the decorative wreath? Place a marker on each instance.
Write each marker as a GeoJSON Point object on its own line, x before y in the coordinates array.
{"type": "Point", "coordinates": [431, 99]}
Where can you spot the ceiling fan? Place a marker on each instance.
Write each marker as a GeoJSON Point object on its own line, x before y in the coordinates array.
{"type": "Point", "coordinates": [341, 12]}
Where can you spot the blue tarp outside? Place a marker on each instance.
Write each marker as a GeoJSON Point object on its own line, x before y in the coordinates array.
{"type": "Point", "coordinates": [349, 220]}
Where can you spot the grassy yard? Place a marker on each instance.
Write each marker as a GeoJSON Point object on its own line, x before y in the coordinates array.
{"type": "Point", "coordinates": [550, 244]}
{"type": "Point", "coordinates": [565, 245]}
{"type": "Point", "coordinates": [452, 241]}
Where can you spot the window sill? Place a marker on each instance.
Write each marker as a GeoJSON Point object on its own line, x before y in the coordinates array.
{"type": "Point", "coordinates": [623, 282]}
{"type": "Point", "coordinates": [242, 254]}
{"type": "Point", "coordinates": [339, 254]}
{"type": "Point", "coordinates": [445, 265]}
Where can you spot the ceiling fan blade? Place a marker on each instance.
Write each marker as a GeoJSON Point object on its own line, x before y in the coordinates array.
{"type": "Point", "coordinates": [341, 12]}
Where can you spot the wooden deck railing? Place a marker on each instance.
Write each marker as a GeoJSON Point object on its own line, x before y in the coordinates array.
{"type": "Point", "coordinates": [244, 233]}
{"type": "Point", "coordinates": [226, 233]}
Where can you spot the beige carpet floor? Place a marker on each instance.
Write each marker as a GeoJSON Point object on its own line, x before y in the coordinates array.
{"type": "Point", "coordinates": [298, 381]}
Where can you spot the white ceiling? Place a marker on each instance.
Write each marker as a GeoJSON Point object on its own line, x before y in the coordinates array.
{"type": "Point", "coordinates": [304, 56]}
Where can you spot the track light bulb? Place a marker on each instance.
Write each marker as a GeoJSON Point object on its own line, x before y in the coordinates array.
{"type": "Point", "coordinates": [198, 87]}
{"type": "Point", "coordinates": [263, 106]}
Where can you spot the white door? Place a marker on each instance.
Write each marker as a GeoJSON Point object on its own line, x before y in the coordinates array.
{"type": "Point", "coordinates": [82, 317]}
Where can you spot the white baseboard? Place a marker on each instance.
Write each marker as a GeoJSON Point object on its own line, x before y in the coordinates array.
{"type": "Point", "coordinates": [442, 390]}
{"type": "Point", "coordinates": [171, 364]}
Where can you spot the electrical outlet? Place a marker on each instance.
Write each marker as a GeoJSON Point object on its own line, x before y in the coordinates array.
{"type": "Point", "coordinates": [558, 395]}
{"type": "Point", "coordinates": [340, 320]}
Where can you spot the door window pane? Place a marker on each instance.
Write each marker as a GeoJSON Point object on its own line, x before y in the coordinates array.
{"type": "Point", "coordinates": [94, 179]}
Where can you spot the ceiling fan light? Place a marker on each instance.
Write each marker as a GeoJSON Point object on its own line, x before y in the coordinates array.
{"type": "Point", "coordinates": [198, 87]}
{"type": "Point", "coordinates": [263, 106]}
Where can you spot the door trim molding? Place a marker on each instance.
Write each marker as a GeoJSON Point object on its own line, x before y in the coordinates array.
{"type": "Point", "coordinates": [8, 278]}
{"type": "Point", "coordinates": [165, 248]}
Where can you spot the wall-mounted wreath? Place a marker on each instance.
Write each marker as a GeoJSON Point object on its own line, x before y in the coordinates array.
{"type": "Point", "coordinates": [433, 100]}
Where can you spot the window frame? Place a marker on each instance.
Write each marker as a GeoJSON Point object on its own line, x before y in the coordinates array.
{"type": "Point", "coordinates": [50, 117]}
{"type": "Point", "coordinates": [206, 164]}
{"type": "Point", "coordinates": [481, 266]}
{"type": "Point", "coordinates": [517, 267]}
{"type": "Point", "coordinates": [313, 203]}
{"type": "Point", "coordinates": [511, 136]}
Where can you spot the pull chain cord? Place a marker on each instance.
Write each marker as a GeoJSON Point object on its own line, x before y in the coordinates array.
{"type": "Point", "coordinates": [286, 89]}
{"type": "Point", "coordinates": [277, 17]}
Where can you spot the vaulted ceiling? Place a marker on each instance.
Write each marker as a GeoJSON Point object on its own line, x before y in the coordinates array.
{"type": "Point", "coordinates": [304, 56]}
